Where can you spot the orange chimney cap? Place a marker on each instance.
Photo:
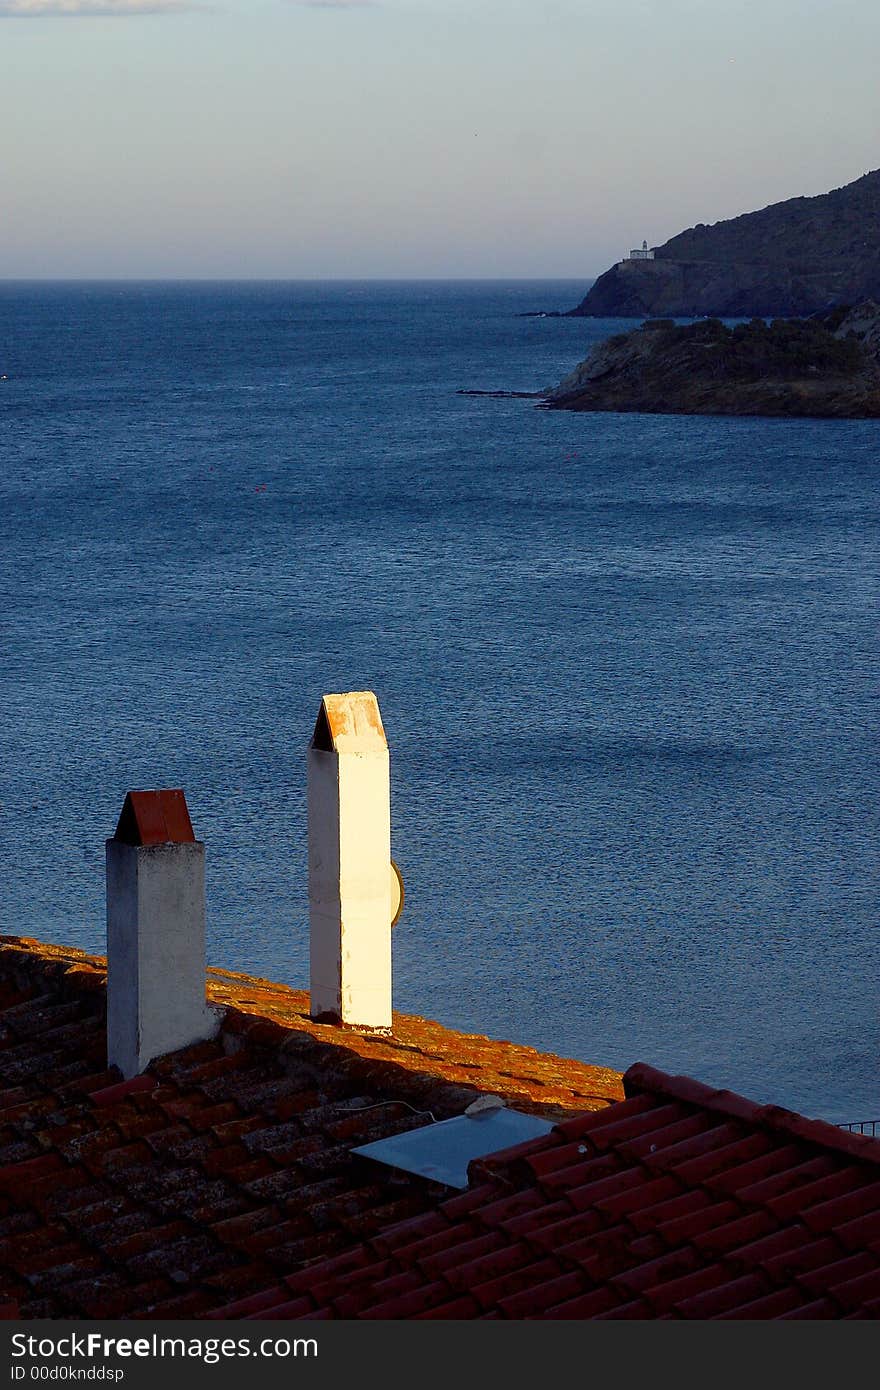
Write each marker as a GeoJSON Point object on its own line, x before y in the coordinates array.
{"type": "Point", "coordinates": [155, 818]}
{"type": "Point", "coordinates": [349, 723]}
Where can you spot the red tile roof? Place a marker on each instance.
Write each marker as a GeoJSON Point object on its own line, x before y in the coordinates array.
{"type": "Point", "coordinates": [221, 1183]}
{"type": "Point", "coordinates": [680, 1202]}
{"type": "Point", "coordinates": [228, 1165]}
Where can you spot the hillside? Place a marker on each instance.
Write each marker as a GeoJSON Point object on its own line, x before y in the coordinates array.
{"type": "Point", "coordinates": [792, 258]}
{"type": "Point", "coordinates": [823, 366]}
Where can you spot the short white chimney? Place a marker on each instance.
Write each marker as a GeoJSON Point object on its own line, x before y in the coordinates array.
{"type": "Point", "coordinates": [350, 871]}
{"type": "Point", "coordinates": [155, 933]}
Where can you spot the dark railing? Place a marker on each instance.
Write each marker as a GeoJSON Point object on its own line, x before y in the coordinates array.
{"type": "Point", "coordinates": [862, 1127]}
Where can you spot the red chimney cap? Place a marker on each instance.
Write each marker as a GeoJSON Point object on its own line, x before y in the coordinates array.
{"type": "Point", "coordinates": [155, 818]}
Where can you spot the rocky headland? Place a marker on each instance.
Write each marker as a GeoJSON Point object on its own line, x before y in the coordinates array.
{"type": "Point", "coordinates": [826, 365]}
{"type": "Point", "coordinates": [792, 258]}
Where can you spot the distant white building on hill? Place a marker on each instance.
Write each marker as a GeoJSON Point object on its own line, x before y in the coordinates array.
{"type": "Point", "coordinates": [641, 255]}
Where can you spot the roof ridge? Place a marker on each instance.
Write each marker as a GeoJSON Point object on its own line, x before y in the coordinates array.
{"type": "Point", "coordinates": [642, 1077]}
{"type": "Point", "coordinates": [422, 1050]}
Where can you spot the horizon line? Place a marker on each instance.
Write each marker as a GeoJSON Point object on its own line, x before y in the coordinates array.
{"type": "Point", "coordinates": [286, 279]}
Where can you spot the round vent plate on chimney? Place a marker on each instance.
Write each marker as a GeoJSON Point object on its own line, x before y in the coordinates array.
{"type": "Point", "coordinates": [396, 893]}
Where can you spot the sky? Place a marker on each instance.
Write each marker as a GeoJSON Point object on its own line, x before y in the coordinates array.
{"type": "Point", "coordinates": [315, 139]}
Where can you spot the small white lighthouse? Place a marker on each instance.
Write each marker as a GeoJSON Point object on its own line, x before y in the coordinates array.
{"type": "Point", "coordinates": [641, 253]}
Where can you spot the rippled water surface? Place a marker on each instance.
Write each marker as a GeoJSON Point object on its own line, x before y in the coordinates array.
{"type": "Point", "coordinates": [627, 664]}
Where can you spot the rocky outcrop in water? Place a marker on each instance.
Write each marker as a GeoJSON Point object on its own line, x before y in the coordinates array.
{"type": "Point", "coordinates": [793, 258]}
{"type": "Point", "coordinates": [828, 365]}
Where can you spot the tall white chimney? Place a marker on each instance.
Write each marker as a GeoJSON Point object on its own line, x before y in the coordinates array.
{"type": "Point", "coordinates": [155, 933]}
{"type": "Point", "coordinates": [350, 872]}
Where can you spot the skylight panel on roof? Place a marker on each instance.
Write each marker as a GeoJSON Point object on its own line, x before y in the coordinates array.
{"type": "Point", "coordinates": [442, 1151]}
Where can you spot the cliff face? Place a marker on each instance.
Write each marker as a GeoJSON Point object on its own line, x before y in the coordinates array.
{"type": "Point", "coordinates": [792, 258]}
{"type": "Point", "coordinates": [825, 366]}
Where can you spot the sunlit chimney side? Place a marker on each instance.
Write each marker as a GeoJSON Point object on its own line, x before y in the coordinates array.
{"type": "Point", "coordinates": [350, 874]}
{"type": "Point", "coordinates": [155, 933]}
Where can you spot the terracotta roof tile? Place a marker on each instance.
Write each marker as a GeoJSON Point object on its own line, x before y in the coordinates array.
{"type": "Point", "coordinates": [293, 1308]}
{"type": "Point", "coordinates": [861, 1202]}
{"type": "Point", "coordinates": [415, 1200]}
{"type": "Point", "coordinates": [270, 1238]}
{"type": "Point", "coordinates": [233, 1229]}
{"type": "Point", "coordinates": [456, 1237]}
{"type": "Point", "coordinates": [708, 1165]}
{"type": "Point", "coordinates": [859, 1232]}
{"type": "Point", "coordinates": [194, 1304]}
{"type": "Point", "coordinates": [48, 1194]}
{"type": "Point", "coordinates": [580, 1170]}
{"type": "Point", "coordinates": [586, 1305]}
{"type": "Point", "coordinates": [582, 1196]}
{"type": "Point", "coordinates": [531, 1302]}
{"type": "Point", "coordinates": [652, 1218]}
{"type": "Point", "coordinates": [637, 1310]}
{"type": "Point", "coordinates": [479, 1267]}
{"type": "Point", "coordinates": [769, 1247]}
{"type": "Point", "coordinates": [526, 1223]}
{"type": "Point", "coordinates": [826, 1278]}
{"type": "Point", "coordinates": [669, 1294]}
{"type": "Point", "coordinates": [789, 1179]}
{"type": "Point", "coordinates": [650, 1121]}
{"type": "Point", "coordinates": [490, 1293]}
{"type": "Point", "coordinates": [109, 1095]}
{"type": "Point", "coordinates": [580, 1126]}
{"type": "Point", "coordinates": [600, 1261]}
{"type": "Point", "coordinates": [559, 1234]}
{"type": "Point", "coordinates": [637, 1196]}
{"type": "Point", "coordinates": [409, 1305]}
{"type": "Point", "coordinates": [771, 1305]}
{"type": "Point", "coordinates": [475, 1198]}
{"type": "Point", "coordinates": [410, 1232]}
{"type": "Point", "coordinates": [813, 1194]}
{"type": "Point", "coordinates": [546, 1157]}
{"type": "Point", "coordinates": [819, 1308]}
{"type": "Point", "coordinates": [365, 1294]}
{"type": "Point", "coordinates": [809, 1254]}
{"type": "Point", "coordinates": [497, 1209]}
{"type": "Point", "coordinates": [648, 1247]}
{"type": "Point", "coordinates": [710, 1135]}
{"type": "Point", "coordinates": [668, 1136]}
{"type": "Point", "coordinates": [354, 1289]}
{"type": "Point", "coordinates": [15, 1175]}
{"type": "Point", "coordinates": [856, 1292]}
{"type": "Point", "coordinates": [774, 1162]}
{"type": "Point", "coordinates": [459, 1308]}
{"type": "Point", "coordinates": [869, 1312]}
{"type": "Point", "coordinates": [707, 1216]}
{"type": "Point", "coordinates": [667, 1268]}
{"type": "Point", "coordinates": [713, 1303]}
{"type": "Point", "coordinates": [102, 1296]}
{"type": "Point", "coordinates": [254, 1303]}
{"type": "Point", "coordinates": [721, 1240]}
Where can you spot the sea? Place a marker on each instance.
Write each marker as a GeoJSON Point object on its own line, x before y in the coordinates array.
{"type": "Point", "coordinates": [627, 664]}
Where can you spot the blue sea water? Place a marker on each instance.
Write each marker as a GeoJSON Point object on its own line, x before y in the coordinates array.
{"type": "Point", "coordinates": [627, 664]}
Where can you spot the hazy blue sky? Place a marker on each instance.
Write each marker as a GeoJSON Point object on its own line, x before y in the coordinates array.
{"type": "Point", "coordinates": [414, 137]}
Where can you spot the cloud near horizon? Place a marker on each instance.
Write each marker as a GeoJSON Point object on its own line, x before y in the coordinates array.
{"type": "Point", "coordinates": [53, 9]}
